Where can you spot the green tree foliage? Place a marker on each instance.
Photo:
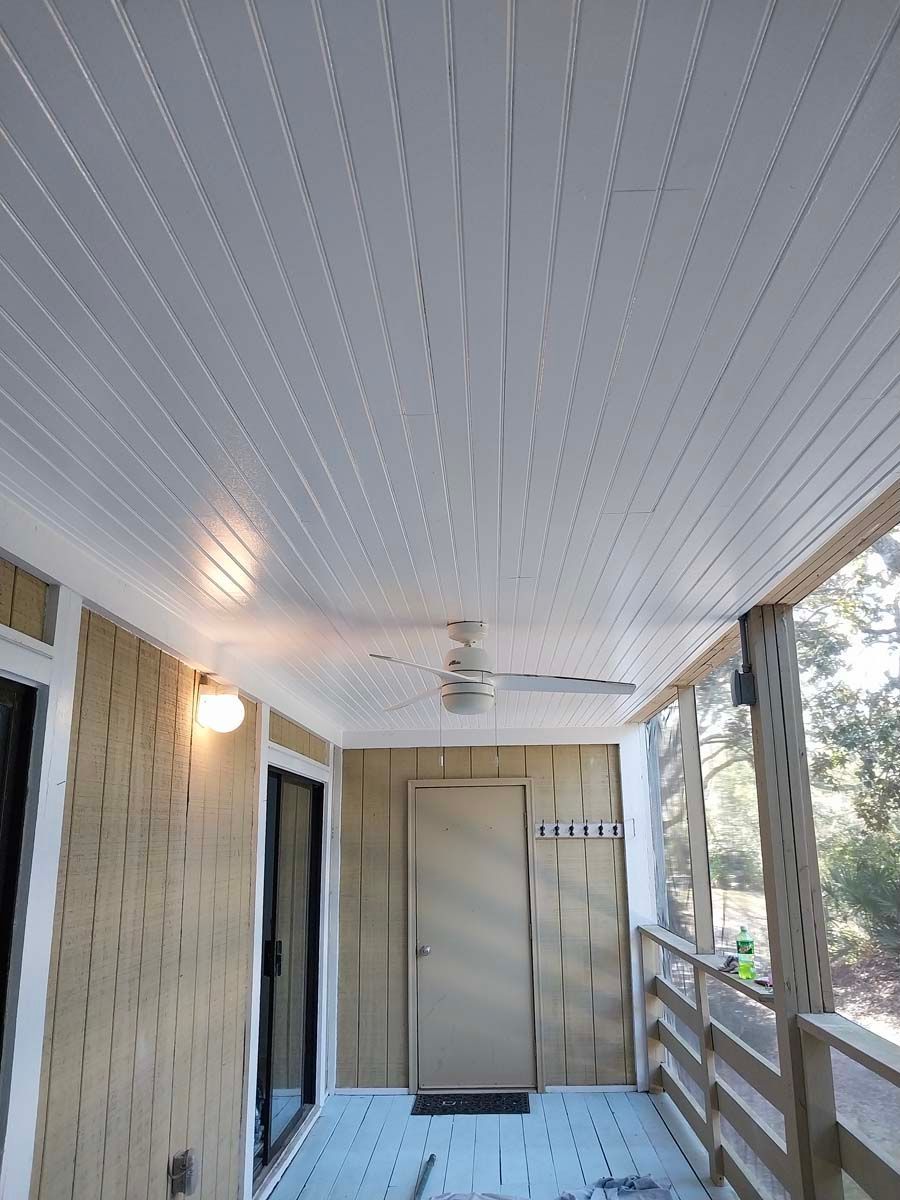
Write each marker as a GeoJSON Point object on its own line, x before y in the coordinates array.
{"type": "Point", "coordinates": [852, 710]}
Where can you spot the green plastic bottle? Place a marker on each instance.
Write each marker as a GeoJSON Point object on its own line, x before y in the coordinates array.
{"type": "Point", "coordinates": [746, 961]}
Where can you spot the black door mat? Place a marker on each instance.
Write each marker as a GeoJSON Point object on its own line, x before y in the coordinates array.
{"type": "Point", "coordinates": [470, 1104]}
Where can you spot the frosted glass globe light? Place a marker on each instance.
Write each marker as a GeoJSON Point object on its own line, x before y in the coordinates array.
{"type": "Point", "coordinates": [219, 707]}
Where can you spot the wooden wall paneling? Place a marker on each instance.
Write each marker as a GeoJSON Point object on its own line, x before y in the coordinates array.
{"type": "Point", "coordinates": [285, 732]}
{"type": "Point", "coordinates": [539, 767]}
{"type": "Point", "coordinates": [230, 1077]}
{"type": "Point", "coordinates": [403, 768]}
{"type": "Point", "coordinates": [318, 749]}
{"type": "Point", "coordinates": [29, 604]}
{"type": "Point", "coordinates": [485, 762]}
{"type": "Point", "coordinates": [41, 1122]}
{"type": "Point", "coordinates": [180, 1131]}
{"type": "Point", "coordinates": [584, 978]}
{"type": "Point", "coordinates": [615, 792]}
{"type": "Point", "coordinates": [578, 1002]}
{"type": "Point", "coordinates": [457, 762]}
{"type": "Point", "coordinates": [140, 1100]}
{"type": "Point", "coordinates": [247, 890]}
{"type": "Point", "coordinates": [373, 947]}
{"type": "Point", "coordinates": [348, 948]}
{"type": "Point", "coordinates": [207, 763]}
{"type": "Point", "coordinates": [58, 1160]}
{"type": "Point", "coordinates": [7, 583]}
{"type": "Point", "coordinates": [224, 811]}
{"type": "Point", "coordinates": [128, 682]}
{"type": "Point", "coordinates": [429, 762]}
{"type": "Point", "coordinates": [297, 737]}
{"type": "Point", "coordinates": [171, 991]}
{"type": "Point", "coordinates": [603, 918]}
{"type": "Point", "coordinates": [512, 762]}
{"type": "Point", "coordinates": [146, 1033]}
{"type": "Point", "coordinates": [131, 925]}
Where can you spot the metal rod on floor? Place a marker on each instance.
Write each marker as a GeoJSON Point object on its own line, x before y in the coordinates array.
{"type": "Point", "coordinates": [423, 1176]}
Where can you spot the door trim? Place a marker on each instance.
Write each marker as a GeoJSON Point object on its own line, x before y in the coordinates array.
{"type": "Point", "coordinates": [412, 942]}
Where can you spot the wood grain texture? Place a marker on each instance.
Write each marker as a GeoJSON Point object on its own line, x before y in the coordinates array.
{"type": "Point", "coordinates": [111, 1007]}
{"type": "Point", "coordinates": [23, 601]}
{"type": "Point", "coordinates": [403, 768]}
{"type": "Point", "coordinates": [7, 583]}
{"type": "Point", "coordinates": [29, 605]}
{"type": "Point", "coordinates": [484, 762]}
{"type": "Point", "coordinates": [609, 1027]}
{"type": "Point", "coordinates": [578, 1003]}
{"type": "Point", "coordinates": [373, 989]}
{"type": "Point", "coordinates": [284, 732]}
{"type": "Point", "coordinates": [539, 768]}
{"type": "Point", "coordinates": [586, 1025]}
{"type": "Point", "coordinates": [40, 1125]}
{"type": "Point", "coordinates": [146, 1039]}
{"type": "Point", "coordinates": [457, 762]}
{"type": "Point", "coordinates": [615, 791]}
{"type": "Point", "coordinates": [67, 1048]}
{"type": "Point", "coordinates": [348, 946]}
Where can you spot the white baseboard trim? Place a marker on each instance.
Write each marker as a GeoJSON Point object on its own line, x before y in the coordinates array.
{"type": "Point", "coordinates": [602, 1087]}
{"type": "Point", "coordinates": [338, 1091]}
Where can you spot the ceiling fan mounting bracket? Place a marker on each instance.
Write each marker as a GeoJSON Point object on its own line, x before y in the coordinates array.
{"type": "Point", "coordinates": [467, 632]}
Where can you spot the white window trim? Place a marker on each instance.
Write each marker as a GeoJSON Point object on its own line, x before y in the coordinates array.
{"type": "Point", "coordinates": [51, 669]}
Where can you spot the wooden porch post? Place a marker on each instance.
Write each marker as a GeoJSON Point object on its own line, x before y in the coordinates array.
{"type": "Point", "coordinates": [800, 969]}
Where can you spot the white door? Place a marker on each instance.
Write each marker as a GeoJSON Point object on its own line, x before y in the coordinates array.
{"type": "Point", "coordinates": [473, 975]}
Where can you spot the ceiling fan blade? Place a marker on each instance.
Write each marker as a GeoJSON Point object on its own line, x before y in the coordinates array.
{"type": "Point", "coordinates": [413, 699]}
{"type": "Point", "coordinates": [561, 683]}
{"type": "Point", "coordinates": [447, 676]}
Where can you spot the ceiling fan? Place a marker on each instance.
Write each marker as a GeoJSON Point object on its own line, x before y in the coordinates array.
{"type": "Point", "coordinates": [468, 682]}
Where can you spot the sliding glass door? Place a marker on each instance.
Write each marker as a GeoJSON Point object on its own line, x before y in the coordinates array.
{"type": "Point", "coordinates": [289, 986]}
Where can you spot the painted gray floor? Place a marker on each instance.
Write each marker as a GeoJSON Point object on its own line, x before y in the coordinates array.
{"type": "Point", "coordinates": [370, 1148]}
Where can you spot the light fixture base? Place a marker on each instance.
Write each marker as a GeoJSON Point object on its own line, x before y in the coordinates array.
{"type": "Point", "coordinates": [467, 632]}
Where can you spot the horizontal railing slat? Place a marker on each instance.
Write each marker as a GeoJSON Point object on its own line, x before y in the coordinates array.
{"type": "Point", "coordinates": [679, 1048]}
{"type": "Point", "coordinates": [685, 1103]}
{"type": "Point", "coordinates": [865, 1047]}
{"type": "Point", "coordinates": [765, 1142]}
{"type": "Point", "coordinates": [676, 1001]}
{"type": "Point", "coordinates": [739, 1178]}
{"type": "Point", "coordinates": [872, 1170]}
{"type": "Point", "coordinates": [749, 1064]}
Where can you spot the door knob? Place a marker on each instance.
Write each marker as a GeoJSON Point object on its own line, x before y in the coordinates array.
{"type": "Point", "coordinates": [424, 951]}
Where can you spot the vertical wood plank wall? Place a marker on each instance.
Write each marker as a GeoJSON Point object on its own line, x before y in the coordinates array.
{"type": "Point", "coordinates": [284, 732]}
{"type": "Point", "coordinates": [145, 1040]}
{"type": "Point", "coordinates": [23, 601]}
{"type": "Point", "coordinates": [581, 899]}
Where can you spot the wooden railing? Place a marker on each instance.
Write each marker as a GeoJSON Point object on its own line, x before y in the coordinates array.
{"type": "Point", "coordinates": [848, 1148]}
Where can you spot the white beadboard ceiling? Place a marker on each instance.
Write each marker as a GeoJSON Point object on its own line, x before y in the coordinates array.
{"type": "Point", "coordinates": [325, 322]}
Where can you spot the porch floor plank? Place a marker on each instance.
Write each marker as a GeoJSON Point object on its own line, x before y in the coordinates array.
{"type": "Point", "coordinates": [371, 1148]}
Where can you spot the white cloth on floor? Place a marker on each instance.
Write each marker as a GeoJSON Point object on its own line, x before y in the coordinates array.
{"type": "Point", "coordinates": [642, 1187]}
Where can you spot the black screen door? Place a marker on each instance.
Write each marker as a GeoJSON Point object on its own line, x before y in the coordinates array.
{"type": "Point", "coordinates": [286, 1079]}
{"type": "Point", "coordinates": [16, 722]}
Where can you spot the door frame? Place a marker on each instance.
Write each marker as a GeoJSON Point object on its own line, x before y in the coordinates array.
{"type": "Point", "coordinates": [271, 754]}
{"type": "Point", "coordinates": [413, 941]}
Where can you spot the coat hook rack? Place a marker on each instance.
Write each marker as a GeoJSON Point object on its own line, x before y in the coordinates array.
{"type": "Point", "coordinates": [550, 827]}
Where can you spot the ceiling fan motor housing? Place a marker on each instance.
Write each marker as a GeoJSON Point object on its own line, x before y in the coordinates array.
{"type": "Point", "coordinates": [467, 659]}
{"type": "Point", "coordinates": [473, 694]}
